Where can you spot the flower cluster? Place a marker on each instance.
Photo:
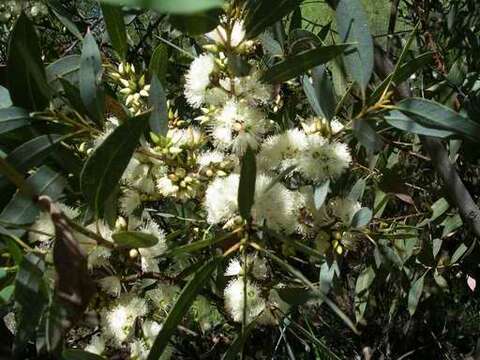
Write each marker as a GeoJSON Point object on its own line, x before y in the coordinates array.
{"type": "Point", "coordinates": [197, 164]}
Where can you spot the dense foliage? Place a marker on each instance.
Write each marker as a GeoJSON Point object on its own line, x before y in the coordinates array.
{"type": "Point", "coordinates": [264, 179]}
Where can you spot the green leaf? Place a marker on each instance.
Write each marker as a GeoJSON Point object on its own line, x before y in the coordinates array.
{"type": "Point", "coordinates": [65, 17]}
{"type": "Point", "coordinates": [198, 23]}
{"type": "Point", "coordinates": [113, 16]}
{"type": "Point", "coordinates": [77, 354]}
{"type": "Point", "coordinates": [5, 99]}
{"type": "Point", "coordinates": [21, 210]}
{"type": "Point", "coordinates": [298, 64]}
{"type": "Point", "coordinates": [364, 281]}
{"type": "Point", "coordinates": [72, 94]}
{"type": "Point", "coordinates": [30, 293]}
{"type": "Point", "coordinates": [134, 240]}
{"type": "Point", "coordinates": [104, 168]}
{"type": "Point", "coordinates": [262, 14]}
{"type": "Point", "coordinates": [158, 101]}
{"type": "Point", "coordinates": [434, 115]}
{"type": "Point", "coordinates": [459, 252]}
{"type": "Point", "coordinates": [30, 154]}
{"type": "Point", "coordinates": [362, 217]}
{"type": "Point", "coordinates": [183, 303]}
{"type": "Point", "coordinates": [415, 294]}
{"type": "Point", "coordinates": [12, 118]}
{"type": "Point", "coordinates": [367, 136]}
{"type": "Point", "coordinates": [67, 68]}
{"type": "Point", "coordinates": [356, 194]}
{"type": "Point", "coordinates": [320, 92]}
{"type": "Point", "coordinates": [402, 122]}
{"type": "Point", "coordinates": [26, 75]}
{"type": "Point", "coordinates": [352, 25]}
{"type": "Point", "coordinates": [450, 224]}
{"type": "Point", "coordinates": [402, 74]}
{"type": "Point", "coordinates": [437, 245]}
{"type": "Point", "coordinates": [246, 187]}
{"type": "Point", "coordinates": [439, 208]}
{"type": "Point", "coordinates": [6, 294]}
{"type": "Point", "coordinates": [159, 62]}
{"type": "Point", "coordinates": [91, 87]}
{"type": "Point", "coordinates": [320, 194]}
{"type": "Point", "coordinates": [171, 6]}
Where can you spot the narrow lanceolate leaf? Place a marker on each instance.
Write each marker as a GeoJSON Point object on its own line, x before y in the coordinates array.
{"type": "Point", "coordinates": [91, 87]}
{"type": "Point", "coordinates": [185, 300]}
{"type": "Point", "coordinates": [262, 14]}
{"type": "Point", "coordinates": [31, 154]}
{"type": "Point", "coordinates": [67, 68]}
{"type": "Point", "coordinates": [320, 92]}
{"type": "Point", "coordinates": [103, 170]}
{"type": "Point", "coordinates": [171, 6]}
{"type": "Point", "coordinates": [113, 16]}
{"type": "Point", "coordinates": [320, 194]}
{"type": "Point", "coordinates": [356, 194]}
{"type": "Point", "coordinates": [21, 210]}
{"type": "Point", "coordinates": [159, 62]}
{"type": "Point", "coordinates": [246, 188]}
{"type": "Point", "coordinates": [12, 118]}
{"type": "Point", "coordinates": [352, 25]}
{"type": "Point", "coordinates": [401, 121]}
{"type": "Point", "coordinates": [158, 101]}
{"type": "Point", "coordinates": [134, 239]}
{"type": "Point", "coordinates": [415, 294]}
{"type": "Point", "coordinates": [30, 294]}
{"type": "Point", "coordinates": [64, 16]}
{"type": "Point", "coordinates": [402, 74]}
{"type": "Point", "coordinates": [5, 99]}
{"type": "Point", "coordinates": [298, 64]}
{"type": "Point", "coordinates": [434, 115]}
{"type": "Point", "coordinates": [26, 75]}
{"type": "Point", "coordinates": [362, 217]}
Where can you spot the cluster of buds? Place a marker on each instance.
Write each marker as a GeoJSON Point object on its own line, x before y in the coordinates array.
{"type": "Point", "coordinates": [185, 183]}
{"type": "Point", "coordinates": [132, 87]}
{"type": "Point", "coordinates": [321, 126]}
{"type": "Point", "coordinates": [9, 10]}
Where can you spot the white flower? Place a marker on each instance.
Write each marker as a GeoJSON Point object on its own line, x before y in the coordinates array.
{"type": "Point", "coordinates": [139, 350]}
{"type": "Point", "coordinates": [166, 187]}
{"type": "Point", "coordinates": [275, 205]}
{"type": "Point", "coordinates": [252, 89]}
{"type": "Point", "coordinates": [235, 301]}
{"type": "Point", "coordinates": [111, 285]}
{"type": "Point", "coordinates": [129, 202]}
{"type": "Point", "coordinates": [323, 160]}
{"type": "Point", "coordinates": [238, 126]}
{"type": "Point", "coordinates": [44, 229]}
{"type": "Point", "coordinates": [208, 158]}
{"type": "Point", "coordinates": [148, 255]}
{"type": "Point", "coordinates": [281, 151]}
{"type": "Point", "coordinates": [221, 199]}
{"type": "Point", "coordinates": [344, 209]}
{"type": "Point", "coordinates": [219, 34]}
{"type": "Point", "coordinates": [151, 329]}
{"type": "Point", "coordinates": [191, 137]}
{"type": "Point", "coordinates": [96, 345]}
{"type": "Point", "coordinates": [198, 79]}
{"type": "Point", "coordinates": [257, 267]}
{"type": "Point", "coordinates": [216, 96]}
{"type": "Point", "coordinates": [119, 320]}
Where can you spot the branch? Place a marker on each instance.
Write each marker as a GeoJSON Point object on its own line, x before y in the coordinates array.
{"type": "Point", "coordinates": [456, 190]}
